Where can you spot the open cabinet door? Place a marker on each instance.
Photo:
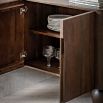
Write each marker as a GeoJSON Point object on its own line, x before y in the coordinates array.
{"type": "Point", "coordinates": [77, 72]}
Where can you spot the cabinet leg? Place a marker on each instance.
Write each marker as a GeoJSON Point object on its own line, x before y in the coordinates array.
{"type": "Point", "coordinates": [97, 96]}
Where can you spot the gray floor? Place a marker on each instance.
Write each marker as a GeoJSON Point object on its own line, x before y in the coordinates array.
{"type": "Point", "coordinates": [86, 98]}
{"type": "Point", "coordinates": [27, 85]}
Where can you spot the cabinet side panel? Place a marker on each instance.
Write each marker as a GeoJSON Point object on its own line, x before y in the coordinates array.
{"type": "Point", "coordinates": [99, 50]}
{"type": "Point", "coordinates": [11, 39]}
{"type": "Point", "coordinates": [78, 72]}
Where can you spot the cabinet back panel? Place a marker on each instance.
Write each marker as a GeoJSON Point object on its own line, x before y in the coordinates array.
{"type": "Point", "coordinates": [36, 18]}
{"type": "Point", "coordinates": [38, 13]}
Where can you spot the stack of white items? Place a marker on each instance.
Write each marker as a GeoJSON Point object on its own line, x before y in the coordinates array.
{"type": "Point", "coordinates": [85, 3]}
{"type": "Point", "coordinates": [54, 21]}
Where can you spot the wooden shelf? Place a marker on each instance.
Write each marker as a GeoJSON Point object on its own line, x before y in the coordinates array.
{"type": "Point", "coordinates": [47, 33]}
{"type": "Point", "coordinates": [41, 64]}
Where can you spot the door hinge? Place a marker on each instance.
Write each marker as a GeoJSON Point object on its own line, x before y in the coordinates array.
{"type": "Point", "coordinates": [23, 10]}
{"type": "Point", "coordinates": [23, 54]}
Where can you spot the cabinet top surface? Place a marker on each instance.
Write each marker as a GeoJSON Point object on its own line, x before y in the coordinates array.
{"type": "Point", "coordinates": [64, 3]}
{"type": "Point", "coordinates": [9, 5]}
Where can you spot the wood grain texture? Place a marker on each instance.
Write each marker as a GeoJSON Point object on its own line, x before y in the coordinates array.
{"type": "Point", "coordinates": [61, 68]}
{"type": "Point", "coordinates": [99, 50]}
{"type": "Point", "coordinates": [11, 36]}
{"type": "Point", "coordinates": [77, 75]}
{"type": "Point", "coordinates": [7, 37]}
{"type": "Point", "coordinates": [11, 67]}
{"type": "Point", "coordinates": [19, 33]}
{"type": "Point", "coordinates": [47, 32]}
{"type": "Point", "coordinates": [78, 55]}
{"type": "Point", "coordinates": [36, 19]}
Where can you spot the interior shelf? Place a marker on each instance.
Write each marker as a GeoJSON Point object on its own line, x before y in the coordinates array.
{"type": "Point", "coordinates": [41, 65]}
{"type": "Point", "coordinates": [47, 33]}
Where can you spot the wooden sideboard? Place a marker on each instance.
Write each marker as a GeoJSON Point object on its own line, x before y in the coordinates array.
{"type": "Point", "coordinates": [24, 33]}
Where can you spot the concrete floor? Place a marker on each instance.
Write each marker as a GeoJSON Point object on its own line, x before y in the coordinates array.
{"type": "Point", "coordinates": [43, 92]}
{"type": "Point", "coordinates": [86, 98]}
{"type": "Point", "coordinates": [27, 85]}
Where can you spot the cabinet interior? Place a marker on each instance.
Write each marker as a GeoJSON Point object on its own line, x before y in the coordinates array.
{"type": "Point", "coordinates": [39, 13]}
{"type": "Point", "coordinates": [38, 35]}
{"type": "Point", "coordinates": [38, 60]}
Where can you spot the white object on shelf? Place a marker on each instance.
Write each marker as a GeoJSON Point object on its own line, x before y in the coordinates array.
{"type": "Point", "coordinates": [54, 21]}
{"type": "Point", "coordinates": [85, 3]}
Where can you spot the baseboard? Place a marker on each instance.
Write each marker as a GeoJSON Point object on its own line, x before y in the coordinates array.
{"type": "Point", "coordinates": [12, 66]}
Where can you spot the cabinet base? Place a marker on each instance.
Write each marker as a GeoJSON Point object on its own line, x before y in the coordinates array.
{"type": "Point", "coordinates": [12, 66]}
{"type": "Point", "coordinates": [97, 96]}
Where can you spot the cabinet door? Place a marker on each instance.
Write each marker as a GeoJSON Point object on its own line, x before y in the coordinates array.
{"type": "Point", "coordinates": [7, 37]}
{"type": "Point", "coordinates": [77, 72]}
{"type": "Point", "coordinates": [11, 36]}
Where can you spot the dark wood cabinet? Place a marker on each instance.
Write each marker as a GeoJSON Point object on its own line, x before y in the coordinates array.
{"type": "Point", "coordinates": [78, 55]}
{"type": "Point", "coordinates": [11, 37]}
{"type": "Point", "coordinates": [79, 40]}
{"type": "Point", "coordinates": [99, 50]}
{"type": "Point", "coordinates": [76, 43]}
